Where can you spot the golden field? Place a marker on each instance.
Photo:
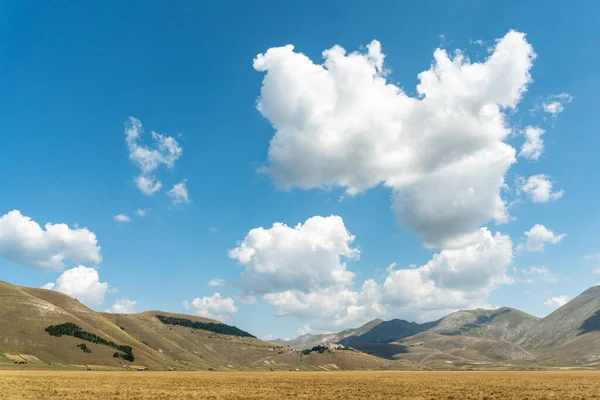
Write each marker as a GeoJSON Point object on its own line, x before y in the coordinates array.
{"type": "Point", "coordinates": [86, 385]}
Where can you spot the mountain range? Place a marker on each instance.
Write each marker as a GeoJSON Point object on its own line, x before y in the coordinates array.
{"type": "Point", "coordinates": [568, 337]}
{"type": "Point", "coordinates": [42, 328]}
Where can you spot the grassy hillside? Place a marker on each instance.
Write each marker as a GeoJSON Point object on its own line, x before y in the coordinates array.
{"type": "Point", "coordinates": [47, 329]}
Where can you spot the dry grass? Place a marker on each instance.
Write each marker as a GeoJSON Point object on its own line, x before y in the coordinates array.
{"type": "Point", "coordinates": [87, 385]}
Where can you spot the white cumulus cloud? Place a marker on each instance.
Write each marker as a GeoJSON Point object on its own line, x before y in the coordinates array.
{"type": "Point", "coordinates": [455, 278]}
{"type": "Point", "coordinates": [81, 283]}
{"type": "Point", "coordinates": [341, 123]}
{"type": "Point", "coordinates": [123, 306]}
{"type": "Point", "coordinates": [25, 242]}
{"type": "Point", "coordinates": [329, 308]}
{"type": "Point", "coordinates": [539, 188]}
{"type": "Point", "coordinates": [141, 212]}
{"type": "Point", "coordinates": [537, 236]}
{"type": "Point", "coordinates": [556, 302]}
{"type": "Point", "coordinates": [534, 145]}
{"type": "Point", "coordinates": [215, 307]}
{"type": "Point", "coordinates": [304, 257]}
{"type": "Point", "coordinates": [301, 272]}
{"type": "Point", "coordinates": [179, 193]}
{"type": "Point", "coordinates": [164, 152]}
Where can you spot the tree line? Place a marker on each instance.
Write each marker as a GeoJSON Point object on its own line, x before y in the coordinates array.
{"type": "Point", "coordinates": [207, 326]}
{"type": "Point", "coordinates": [71, 329]}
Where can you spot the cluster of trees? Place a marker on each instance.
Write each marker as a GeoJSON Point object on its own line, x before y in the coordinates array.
{"type": "Point", "coordinates": [124, 356]}
{"type": "Point", "coordinates": [84, 348]}
{"type": "Point", "coordinates": [71, 329]}
{"type": "Point", "coordinates": [207, 326]}
{"type": "Point", "coordinates": [320, 349]}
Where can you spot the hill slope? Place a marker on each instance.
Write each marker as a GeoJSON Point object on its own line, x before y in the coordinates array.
{"type": "Point", "coordinates": [83, 338]}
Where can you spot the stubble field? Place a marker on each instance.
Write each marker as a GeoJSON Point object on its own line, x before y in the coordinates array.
{"type": "Point", "coordinates": [87, 385]}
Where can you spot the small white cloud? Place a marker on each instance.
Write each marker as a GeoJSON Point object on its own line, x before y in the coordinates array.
{"type": "Point", "coordinates": [25, 242]}
{"type": "Point", "coordinates": [213, 229]}
{"type": "Point", "coordinates": [179, 193]}
{"type": "Point", "coordinates": [164, 152]}
{"type": "Point", "coordinates": [148, 184]}
{"type": "Point", "coordinates": [538, 188]}
{"type": "Point", "coordinates": [534, 145]}
{"type": "Point", "coordinates": [141, 212]}
{"type": "Point", "coordinates": [536, 271]}
{"type": "Point", "coordinates": [48, 286]}
{"type": "Point", "coordinates": [537, 236]}
{"type": "Point", "coordinates": [123, 306]}
{"type": "Point", "coordinates": [556, 302]}
{"type": "Point", "coordinates": [216, 282]}
{"type": "Point", "coordinates": [81, 283]}
{"type": "Point", "coordinates": [544, 273]}
{"type": "Point", "coordinates": [247, 299]}
{"type": "Point", "coordinates": [215, 307]}
{"type": "Point", "coordinates": [268, 337]}
{"type": "Point", "coordinates": [592, 257]}
{"type": "Point", "coordinates": [555, 104]}
{"type": "Point", "coordinates": [122, 218]}
{"type": "Point", "coordinates": [304, 330]}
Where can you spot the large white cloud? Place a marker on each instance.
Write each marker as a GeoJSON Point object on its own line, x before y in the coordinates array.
{"type": "Point", "coordinates": [215, 306]}
{"type": "Point", "coordinates": [301, 272]}
{"type": "Point", "coordinates": [25, 242]}
{"type": "Point", "coordinates": [165, 151]}
{"type": "Point", "coordinates": [305, 257]}
{"type": "Point", "coordinates": [442, 152]}
{"type": "Point", "coordinates": [539, 188]}
{"type": "Point", "coordinates": [454, 278]}
{"type": "Point", "coordinates": [537, 236]}
{"type": "Point", "coordinates": [81, 283]}
{"type": "Point", "coordinates": [330, 308]}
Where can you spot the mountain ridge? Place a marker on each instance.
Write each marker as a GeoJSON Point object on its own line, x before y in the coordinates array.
{"type": "Point", "coordinates": [570, 335]}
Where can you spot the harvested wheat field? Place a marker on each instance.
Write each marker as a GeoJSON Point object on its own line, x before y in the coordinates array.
{"type": "Point", "coordinates": [16, 385]}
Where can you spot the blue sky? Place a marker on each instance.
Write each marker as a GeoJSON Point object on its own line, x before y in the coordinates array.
{"type": "Point", "coordinates": [73, 74]}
